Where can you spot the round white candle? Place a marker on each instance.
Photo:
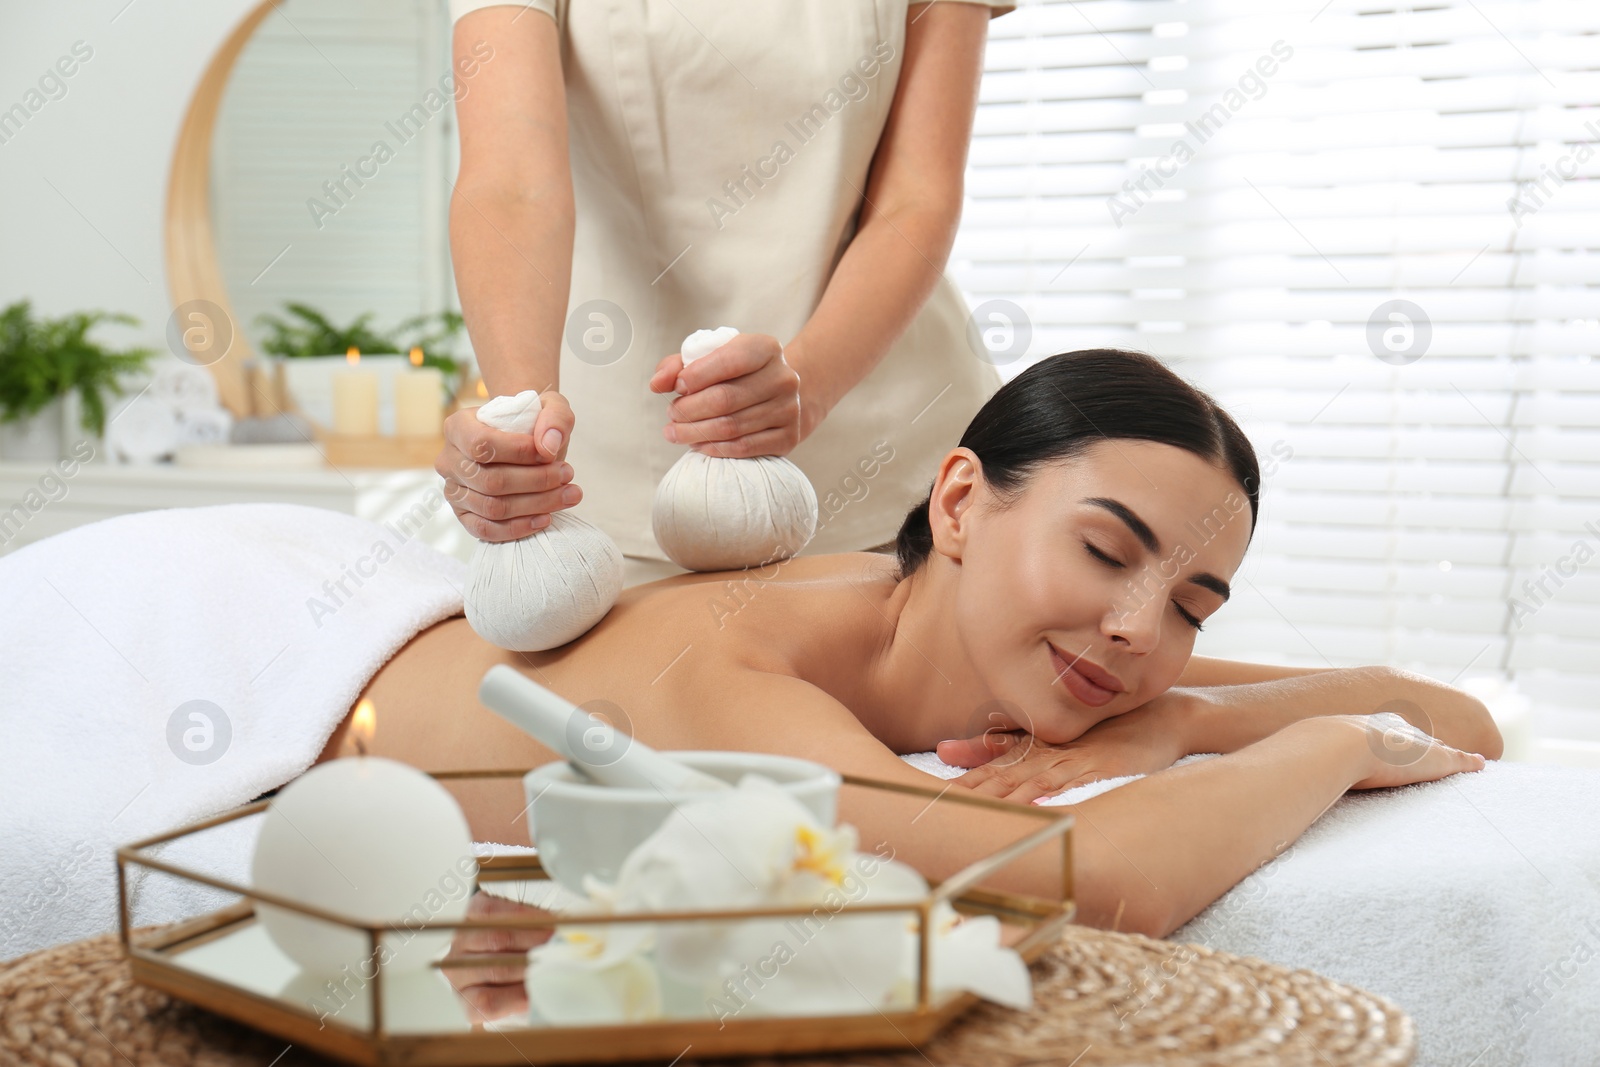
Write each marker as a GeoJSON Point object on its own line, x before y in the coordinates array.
{"type": "Point", "coordinates": [355, 401]}
{"type": "Point", "coordinates": [419, 402]}
{"type": "Point", "coordinates": [372, 839]}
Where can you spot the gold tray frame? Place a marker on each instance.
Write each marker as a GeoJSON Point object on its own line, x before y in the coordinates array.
{"type": "Point", "coordinates": [151, 953]}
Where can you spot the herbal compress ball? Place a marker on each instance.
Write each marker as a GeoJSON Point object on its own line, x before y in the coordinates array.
{"type": "Point", "coordinates": [550, 587]}
{"type": "Point", "coordinates": [713, 513]}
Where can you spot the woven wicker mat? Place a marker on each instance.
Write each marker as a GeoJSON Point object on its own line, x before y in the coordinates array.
{"type": "Point", "coordinates": [1100, 998]}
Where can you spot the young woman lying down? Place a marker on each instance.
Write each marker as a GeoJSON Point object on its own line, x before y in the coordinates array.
{"type": "Point", "coordinates": [1087, 526]}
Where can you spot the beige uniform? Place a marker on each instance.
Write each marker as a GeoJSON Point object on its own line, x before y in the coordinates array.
{"type": "Point", "coordinates": [719, 154]}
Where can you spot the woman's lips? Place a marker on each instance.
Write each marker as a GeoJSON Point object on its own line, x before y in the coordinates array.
{"type": "Point", "coordinates": [1080, 687]}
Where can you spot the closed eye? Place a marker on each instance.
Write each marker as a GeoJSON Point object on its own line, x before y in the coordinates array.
{"type": "Point", "coordinates": [1101, 556]}
{"type": "Point", "coordinates": [1108, 560]}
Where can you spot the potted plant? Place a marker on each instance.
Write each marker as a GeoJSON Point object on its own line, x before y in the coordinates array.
{"type": "Point", "coordinates": [43, 361]}
{"type": "Point", "coordinates": [436, 335]}
{"type": "Point", "coordinates": [312, 346]}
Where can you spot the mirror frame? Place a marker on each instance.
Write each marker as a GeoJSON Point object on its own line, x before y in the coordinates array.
{"type": "Point", "coordinates": [193, 272]}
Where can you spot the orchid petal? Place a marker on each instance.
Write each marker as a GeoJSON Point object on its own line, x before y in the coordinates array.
{"type": "Point", "coordinates": [566, 995]}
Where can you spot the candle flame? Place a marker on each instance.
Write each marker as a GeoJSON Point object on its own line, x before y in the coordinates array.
{"type": "Point", "coordinates": [363, 725]}
{"type": "Point", "coordinates": [416, 355]}
{"type": "Point", "coordinates": [483, 392]}
{"type": "Point", "coordinates": [352, 355]}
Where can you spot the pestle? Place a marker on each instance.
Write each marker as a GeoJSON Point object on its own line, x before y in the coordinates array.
{"type": "Point", "coordinates": [561, 725]}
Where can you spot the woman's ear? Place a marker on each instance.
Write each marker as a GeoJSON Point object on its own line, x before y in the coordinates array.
{"type": "Point", "coordinates": [950, 503]}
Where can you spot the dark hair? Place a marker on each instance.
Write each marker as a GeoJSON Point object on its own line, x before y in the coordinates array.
{"type": "Point", "coordinates": [1063, 404]}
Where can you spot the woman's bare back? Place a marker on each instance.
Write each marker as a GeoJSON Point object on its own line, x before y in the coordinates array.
{"type": "Point", "coordinates": [660, 665]}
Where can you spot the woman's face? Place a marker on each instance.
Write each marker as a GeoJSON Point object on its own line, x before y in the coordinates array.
{"type": "Point", "coordinates": [1080, 599]}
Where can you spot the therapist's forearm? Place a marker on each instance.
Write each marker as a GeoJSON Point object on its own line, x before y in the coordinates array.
{"type": "Point", "coordinates": [1226, 718]}
{"type": "Point", "coordinates": [512, 249]}
{"type": "Point", "coordinates": [877, 289]}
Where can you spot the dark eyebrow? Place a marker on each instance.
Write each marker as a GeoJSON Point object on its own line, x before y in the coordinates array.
{"type": "Point", "coordinates": [1141, 529]}
{"type": "Point", "coordinates": [1147, 537]}
{"type": "Point", "coordinates": [1207, 580]}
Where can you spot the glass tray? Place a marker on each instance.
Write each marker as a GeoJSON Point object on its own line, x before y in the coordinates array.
{"type": "Point", "coordinates": [225, 962]}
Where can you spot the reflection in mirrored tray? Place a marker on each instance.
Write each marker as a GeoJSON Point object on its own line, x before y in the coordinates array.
{"type": "Point", "coordinates": [478, 985]}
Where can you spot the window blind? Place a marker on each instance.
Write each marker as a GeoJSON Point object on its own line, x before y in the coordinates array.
{"type": "Point", "coordinates": [1246, 188]}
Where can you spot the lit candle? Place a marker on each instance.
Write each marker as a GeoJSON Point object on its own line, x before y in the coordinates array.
{"type": "Point", "coordinates": [475, 399]}
{"type": "Point", "coordinates": [355, 398]}
{"type": "Point", "coordinates": [419, 400]}
{"type": "Point", "coordinates": [368, 838]}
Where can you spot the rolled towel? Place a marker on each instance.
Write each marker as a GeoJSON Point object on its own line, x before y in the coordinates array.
{"type": "Point", "coordinates": [713, 513]}
{"type": "Point", "coordinates": [550, 587]}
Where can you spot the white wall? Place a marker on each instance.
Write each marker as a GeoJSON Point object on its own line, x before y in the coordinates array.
{"type": "Point", "coordinates": [95, 239]}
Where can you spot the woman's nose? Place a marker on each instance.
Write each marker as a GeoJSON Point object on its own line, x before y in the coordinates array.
{"type": "Point", "coordinates": [1135, 621]}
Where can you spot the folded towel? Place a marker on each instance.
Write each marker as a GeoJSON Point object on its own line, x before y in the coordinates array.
{"type": "Point", "coordinates": [1473, 902]}
{"type": "Point", "coordinates": [164, 666]}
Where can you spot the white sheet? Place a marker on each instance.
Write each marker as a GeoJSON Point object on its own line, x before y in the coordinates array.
{"type": "Point", "coordinates": [109, 628]}
{"type": "Point", "coordinates": [1472, 902]}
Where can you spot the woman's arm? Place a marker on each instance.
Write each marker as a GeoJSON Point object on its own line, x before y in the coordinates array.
{"type": "Point", "coordinates": [1205, 670]}
{"type": "Point", "coordinates": [1148, 856]}
{"type": "Point", "coordinates": [511, 230]}
{"type": "Point", "coordinates": [1223, 718]}
{"type": "Point", "coordinates": [1217, 718]}
{"type": "Point", "coordinates": [1229, 704]}
{"type": "Point", "coordinates": [913, 207]}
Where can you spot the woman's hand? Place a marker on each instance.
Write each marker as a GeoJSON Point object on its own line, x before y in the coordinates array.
{"type": "Point", "coordinates": [503, 486]}
{"type": "Point", "coordinates": [1401, 754]}
{"type": "Point", "coordinates": [1017, 766]}
{"type": "Point", "coordinates": [740, 401]}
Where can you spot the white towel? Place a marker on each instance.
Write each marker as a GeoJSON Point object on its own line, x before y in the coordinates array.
{"type": "Point", "coordinates": [1473, 902]}
{"type": "Point", "coordinates": [278, 615]}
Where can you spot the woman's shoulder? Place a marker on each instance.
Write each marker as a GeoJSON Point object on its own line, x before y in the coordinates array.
{"type": "Point", "coordinates": [833, 567]}
{"type": "Point", "coordinates": [768, 618]}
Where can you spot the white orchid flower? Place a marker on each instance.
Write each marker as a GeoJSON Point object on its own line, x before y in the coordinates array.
{"type": "Point", "coordinates": [966, 954]}
{"type": "Point", "coordinates": [749, 847]}
{"type": "Point", "coordinates": [761, 846]}
{"type": "Point", "coordinates": [589, 974]}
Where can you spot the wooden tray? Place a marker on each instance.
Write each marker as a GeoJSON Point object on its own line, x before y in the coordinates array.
{"type": "Point", "coordinates": [225, 962]}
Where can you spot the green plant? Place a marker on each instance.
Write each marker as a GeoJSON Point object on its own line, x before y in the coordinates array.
{"type": "Point", "coordinates": [436, 334]}
{"type": "Point", "coordinates": [42, 359]}
{"type": "Point", "coordinates": [308, 332]}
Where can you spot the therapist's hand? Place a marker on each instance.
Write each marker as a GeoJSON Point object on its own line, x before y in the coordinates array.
{"type": "Point", "coordinates": [742, 400]}
{"type": "Point", "coordinates": [503, 486]}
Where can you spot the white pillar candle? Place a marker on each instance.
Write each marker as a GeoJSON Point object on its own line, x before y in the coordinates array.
{"type": "Point", "coordinates": [419, 400]}
{"type": "Point", "coordinates": [476, 397]}
{"type": "Point", "coordinates": [368, 838]}
{"type": "Point", "coordinates": [355, 398]}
